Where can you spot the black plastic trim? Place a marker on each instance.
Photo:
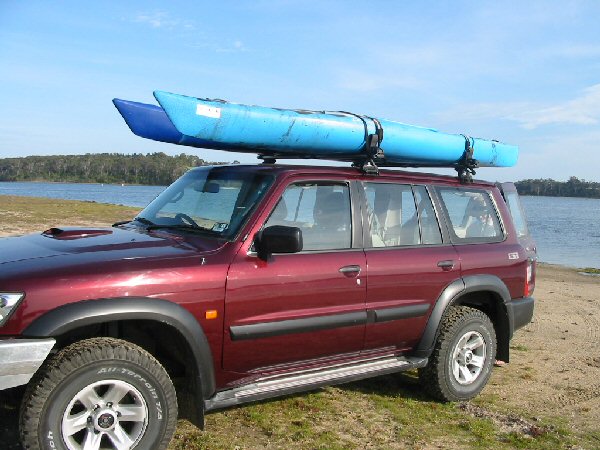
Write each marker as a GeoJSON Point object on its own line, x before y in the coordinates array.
{"type": "Point", "coordinates": [459, 287]}
{"type": "Point", "coordinates": [479, 283]}
{"type": "Point", "coordinates": [81, 314]}
{"type": "Point", "coordinates": [449, 294]}
{"type": "Point", "coordinates": [278, 328]}
{"type": "Point", "coordinates": [520, 310]}
{"type": "Point", "coordinates": [401, 312]}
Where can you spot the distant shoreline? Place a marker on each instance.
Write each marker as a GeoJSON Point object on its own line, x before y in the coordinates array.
{"type": "Point", "coordinates": [79, 182]}
{"type": "Point", "coordinates": [161, 185]}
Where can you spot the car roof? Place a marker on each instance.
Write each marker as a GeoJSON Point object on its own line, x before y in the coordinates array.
{"type": "Point", "coordinates": [349, 172]}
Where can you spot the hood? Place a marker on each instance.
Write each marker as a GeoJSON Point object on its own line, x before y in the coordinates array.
{"type": "Point", "coordinates": [84, 246]}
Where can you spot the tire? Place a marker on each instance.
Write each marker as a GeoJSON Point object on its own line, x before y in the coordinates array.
{"type": "Point", "coordinates": [99, 393]}
{"type": "Point", "coordinates": [463, 356]}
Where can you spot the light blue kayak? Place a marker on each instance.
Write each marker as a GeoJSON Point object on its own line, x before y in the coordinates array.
{"type": "Point", "coordinates": [324, 135]}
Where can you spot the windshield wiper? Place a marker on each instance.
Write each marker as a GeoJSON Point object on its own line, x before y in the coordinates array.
{"type": "Point", "coordinates": [138, 219]}
{"type": "Point", "coordinates": [180, 226]}
{"type": "Point", "coordinates": [144, 221]}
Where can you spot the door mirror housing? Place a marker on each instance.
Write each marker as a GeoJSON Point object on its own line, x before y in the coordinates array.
{"type": "Point", "coordinates": [278, 239]}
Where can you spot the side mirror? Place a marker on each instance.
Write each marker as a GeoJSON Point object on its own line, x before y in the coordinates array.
{"type": "Point", "coordinates": [278, 239]}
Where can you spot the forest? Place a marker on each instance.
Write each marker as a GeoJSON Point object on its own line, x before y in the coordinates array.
{"type": "Point", "coordinates": [574, 187]}
{"type": "Point", "coordinates": [152, 169]}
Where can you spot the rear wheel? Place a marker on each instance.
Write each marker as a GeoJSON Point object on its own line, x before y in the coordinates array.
{"type": "Point", "coordinates": [100, 393]}
{"type": "Point", "coordinates": [462, 360]}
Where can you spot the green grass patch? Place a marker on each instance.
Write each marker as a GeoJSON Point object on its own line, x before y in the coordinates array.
{"type": "Point", "coordinates": [519, 347]}
{"type": "Point", "coordinates": [590, 270]}
{"type": "Point", "coordinates": [22, 215]}
{"type": "Point", "coordinates": [383, 412]}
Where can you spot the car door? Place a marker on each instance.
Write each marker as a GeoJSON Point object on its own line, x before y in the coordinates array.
{"type": "Point", "coordinates": [305, 308]}
{"type": "Point", "coordinates": [409, 260]}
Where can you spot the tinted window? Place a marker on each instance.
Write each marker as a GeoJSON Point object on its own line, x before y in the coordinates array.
{"type": "Point", "coordinates": [321, 210]}
{"type": "Point", "coordinates": [516, 211]}
{"type": "Point", "coordinates": [393, 215]}
{"type": "Point", "coordinates": [472, 214]}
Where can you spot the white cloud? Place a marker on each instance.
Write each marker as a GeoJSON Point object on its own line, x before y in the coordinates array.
{"type": "Point", "coordinates": [161, 19]}
{"type": "Point", "coordinates": [355, 80]}
{"type": "Point", "coordinates": [584, 109]}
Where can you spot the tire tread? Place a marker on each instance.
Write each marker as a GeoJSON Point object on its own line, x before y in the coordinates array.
{"type": "Point", "coordinates": [76, 356]}
{"type": "Point", "coordinates": [431, 377]}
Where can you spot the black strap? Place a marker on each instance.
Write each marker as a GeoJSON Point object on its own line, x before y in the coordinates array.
{"type": "Point", "coordinates": [467, 164]}
{"type": "Point", "coordinates": [372, 144]}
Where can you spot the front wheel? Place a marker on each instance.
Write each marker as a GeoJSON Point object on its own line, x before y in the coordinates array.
{"type": "Point", "coordinates": [462, 360]}
{"type": "Point", "coordinates": [100, 393]}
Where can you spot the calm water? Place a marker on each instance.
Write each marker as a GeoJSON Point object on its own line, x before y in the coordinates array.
{"type": "Point", "coordinates": [567, 230]}
{"type": "Point", "coordinates": [101, 193]}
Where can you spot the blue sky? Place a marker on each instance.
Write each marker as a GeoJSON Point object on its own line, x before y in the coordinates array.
{"type": "Point", "coordinates": [525, 73]}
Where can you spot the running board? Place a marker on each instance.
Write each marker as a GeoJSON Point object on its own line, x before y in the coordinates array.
{"type": "Point", "coordinates": [306, 380]}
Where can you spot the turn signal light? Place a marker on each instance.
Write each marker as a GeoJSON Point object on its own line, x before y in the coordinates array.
{"type": "Point", "coordinates": [530, 278]}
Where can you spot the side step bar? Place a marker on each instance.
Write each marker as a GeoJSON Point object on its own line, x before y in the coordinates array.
{"type": "Point", "coordinates": [306, 380]}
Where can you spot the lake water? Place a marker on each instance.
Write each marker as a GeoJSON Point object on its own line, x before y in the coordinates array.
{"type": "Point", "coordinates": [567, 230]}
{"type": "Point", "coordinates": [101, 193]}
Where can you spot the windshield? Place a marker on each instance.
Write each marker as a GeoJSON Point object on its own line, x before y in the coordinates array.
{"type": "Point", "coordinates": [212, 200]}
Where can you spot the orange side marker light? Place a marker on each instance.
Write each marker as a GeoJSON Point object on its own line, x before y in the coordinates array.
{"type": "Point", "coordinates": [211, 314]}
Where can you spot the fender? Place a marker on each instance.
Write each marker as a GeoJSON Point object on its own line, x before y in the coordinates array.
{"type": "Point", "coordinates": [76, 315]}
{"type": "Point", "coordinates": [449, 296]}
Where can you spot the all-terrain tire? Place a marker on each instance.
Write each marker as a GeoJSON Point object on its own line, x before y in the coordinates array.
{"type": "Point", "coordinates": [107, 392]}
{"type": "Point", "coordinates": [454, 372]}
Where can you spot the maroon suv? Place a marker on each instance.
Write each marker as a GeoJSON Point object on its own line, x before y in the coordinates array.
{"type": "Point", "coordinates": [240, 283]}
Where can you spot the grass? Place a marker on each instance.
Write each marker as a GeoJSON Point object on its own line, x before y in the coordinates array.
{"type": "Point", "coordinates": [519, 347]}
{"type": "Point", "coordinates": [590, 270]}
{"type": "Point", "coordinates": [28, 214]}
{"type": "Point", "coordinates": [384, 412]}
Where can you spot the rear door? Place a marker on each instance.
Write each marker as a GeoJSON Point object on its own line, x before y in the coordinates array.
{"type": "Point", "coordinates": [409, 260]}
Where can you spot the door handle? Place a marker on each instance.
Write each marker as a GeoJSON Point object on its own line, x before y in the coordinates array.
{"type": "Point", "coordinates": [446, 265]}
{"type": "Point", "coordinates": [350, 271]}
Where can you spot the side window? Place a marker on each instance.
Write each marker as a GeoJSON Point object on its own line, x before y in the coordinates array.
{"type": "Point", "coordinates": [472, 214]}
{"type": "Point", "coordinates": [430, 228]}
{"type": "Point", "coordinates": [321, 210]}
{"type": "Point", "coordinates": [516, 211]}
{"type": "Point", "coordinates": [393, 215]}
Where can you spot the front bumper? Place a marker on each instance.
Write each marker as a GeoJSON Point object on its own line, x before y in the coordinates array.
{"type": "Point", "coordinates": [520, 312]}
{"type": "Point", "coordinates": [20, 359]}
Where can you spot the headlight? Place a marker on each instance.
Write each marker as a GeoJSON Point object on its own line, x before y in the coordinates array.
{"type": "Point", "coordinates": [8, 303]}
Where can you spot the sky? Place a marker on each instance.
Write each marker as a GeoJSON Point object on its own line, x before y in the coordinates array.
{"type": "Point", "coordinates": [525, 73]}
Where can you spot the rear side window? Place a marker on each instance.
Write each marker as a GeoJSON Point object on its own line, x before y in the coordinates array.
{"type": "Point", "coordinates": [397, 216]}
{"type": "Point", "coordinates": [472, 215]}
{"type": "Point", "coordinates": [516, 211]}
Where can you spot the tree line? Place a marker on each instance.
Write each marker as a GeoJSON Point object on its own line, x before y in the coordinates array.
{"type": "Point", "coordinates": [161, 169]}
{"type": "Point", "coordinates": [574, 187]}
{"type": "Point", "coordinates": [152, 169]}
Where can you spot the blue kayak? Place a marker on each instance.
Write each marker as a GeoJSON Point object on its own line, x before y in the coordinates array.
{"type": "Point", "coordinates": [151, 122]}
{"type": "Point", "coordinates": [326, 135]}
